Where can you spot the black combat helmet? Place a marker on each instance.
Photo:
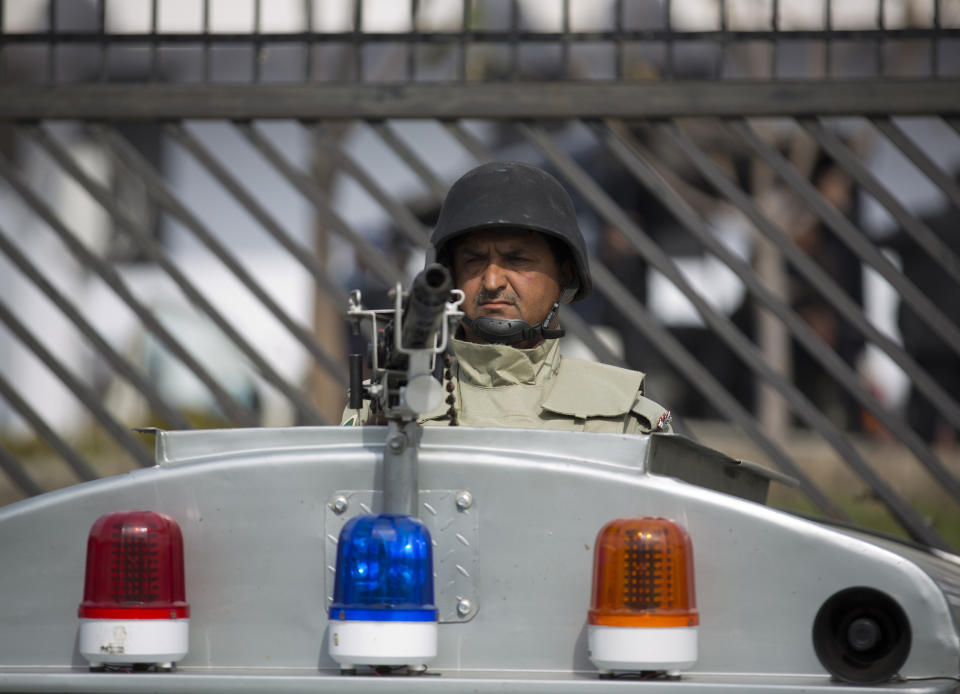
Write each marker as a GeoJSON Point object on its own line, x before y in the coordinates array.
{"type": "Point", "coordinates": [516, 195]}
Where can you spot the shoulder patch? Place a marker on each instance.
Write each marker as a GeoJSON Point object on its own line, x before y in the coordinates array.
{"type": "Point", "coordinates": [652, 414]}
{"type": "Point", "coordinates": [587, 389]}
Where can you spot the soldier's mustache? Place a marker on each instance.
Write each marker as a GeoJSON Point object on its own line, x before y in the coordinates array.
{"type": "Point", "coordinates": [499, 295]}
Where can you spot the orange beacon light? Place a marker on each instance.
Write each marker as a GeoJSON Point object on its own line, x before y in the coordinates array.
{"type": "Point", "coordinates": [643, 614]}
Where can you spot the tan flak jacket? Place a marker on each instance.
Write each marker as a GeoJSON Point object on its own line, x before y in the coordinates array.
{"type": "Point", "coordinates": [500, 386]}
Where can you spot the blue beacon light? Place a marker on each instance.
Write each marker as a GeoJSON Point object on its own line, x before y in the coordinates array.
{"type": "Point", "coordinates": [383, 611]}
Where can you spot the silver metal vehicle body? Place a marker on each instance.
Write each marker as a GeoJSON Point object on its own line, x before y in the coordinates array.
{"type": "Point", "coordinates": [514, 515]}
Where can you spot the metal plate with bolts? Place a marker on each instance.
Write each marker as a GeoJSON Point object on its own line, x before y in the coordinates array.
{"type": "Point", "coordinates": [453, 520]}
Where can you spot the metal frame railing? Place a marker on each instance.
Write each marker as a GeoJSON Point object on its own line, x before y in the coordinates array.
{"type": "Point", "coordinates": [657, 29]}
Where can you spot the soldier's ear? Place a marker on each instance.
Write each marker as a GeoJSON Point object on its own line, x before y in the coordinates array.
{"type": "Point", "coordinates": [568, 282]}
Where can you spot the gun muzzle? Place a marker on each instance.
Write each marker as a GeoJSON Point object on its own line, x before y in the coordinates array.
{"type": "Point", "coordinates": [423, 313]}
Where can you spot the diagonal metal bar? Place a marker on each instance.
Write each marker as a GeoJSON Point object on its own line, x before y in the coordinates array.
{"type": "Point", "coordinates": [849, 234]}
{"type": "Point", "coordinates": [930, 169]}
{"type": "Point", "coordinates": [408, 224]}
{"type": "Point", "coordinates": [629, 156]}
{"type": "Point", "coordinates": [954, 122]}
{"type": "Point", "coordinates": [811, 271]}
{"type": "Point", "coordinates": [158, 191]}
{"type": "Point", "coordinates": [109, 275]}
{"type": "Point", "coordinates": [256, 210]}
{"type": "Point", "coordinates": [704, 381]}
{"type": "Point", "coordinates": [70, 456]}
{"type": "Point", "coordinates": [329, 364]}
{"type": "Point", "coordinates": [371, 256]}
{"type": "Point", "coordinates": [940, 252]}
{"type": "Point", "coordinates": [469, 141]}
{"type": "Point", "coordinates": [82, 392]}
{"type": "Point", "coordinates": [18, 474]}
{"type": "Point", "coordinates": [435, 186]}
{"type": "Point", "coordinates": [745, 349]}
{"type": "Point", "coordinates": [585, 333]}
{"type": "Point", "coordinates": [119, 364]}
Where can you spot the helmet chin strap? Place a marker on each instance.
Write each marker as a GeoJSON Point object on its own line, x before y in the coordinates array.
{"type": "Point", "coordinates": [511, 331]}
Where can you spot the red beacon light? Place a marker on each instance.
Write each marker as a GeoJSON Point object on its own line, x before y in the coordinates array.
{"type": "Point", "coordinates": [134, 611]}
{"type": "Point", "coordinates": [643, 614]}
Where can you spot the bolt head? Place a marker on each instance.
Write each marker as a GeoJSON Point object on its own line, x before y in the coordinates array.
{"type": "Point", "coordinates": [464, 607]}
{"type": "Point", "coordinates": [464, 500]}
{"type": "Point", "coordinates": [339, 504]}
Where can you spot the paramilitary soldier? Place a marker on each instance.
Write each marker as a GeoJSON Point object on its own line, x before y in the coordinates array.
{"type": "Point", "coordinates": [509, 235]}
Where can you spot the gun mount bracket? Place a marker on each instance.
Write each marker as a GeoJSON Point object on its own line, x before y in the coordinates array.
{"type": "Point", "coordinates": [454, 531]}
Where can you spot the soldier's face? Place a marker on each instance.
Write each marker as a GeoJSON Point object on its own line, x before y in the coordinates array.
{"type": "Point", "coordinates": [507, 274]}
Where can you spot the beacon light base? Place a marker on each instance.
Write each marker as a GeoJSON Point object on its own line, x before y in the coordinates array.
{"type": "Point", "coordinates": [361, 642]}
{"type": "Point", "coordinates": [158, 642]}
{"type": "Point", "coordinates": [635, 649]}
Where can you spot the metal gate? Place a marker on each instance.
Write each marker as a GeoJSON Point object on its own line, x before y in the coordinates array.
{"type": "Point", "coordinates": [189, 189]}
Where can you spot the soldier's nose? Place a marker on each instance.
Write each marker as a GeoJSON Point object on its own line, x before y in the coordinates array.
{"type": "Point", "coordinates": [493, 278]}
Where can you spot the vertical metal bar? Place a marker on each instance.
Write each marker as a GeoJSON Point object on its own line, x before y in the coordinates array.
{"type": "Point", "coordinates": [812, 272]}
{"type": "Point", "coordinates": [3, 46]}
{"type": "Point", "coordinates": [882, 26]}
{"type": "Point", "coordinates": [206, 41]}
{"type": "Point", "coordinates": [828, 42]}
{"type": "Point", "coordinates": [799, 329]}
{"type": "Point", "coordinates": [747, 351]}
{"type": "Point", "coordinates": [902, 141]}
{"type": "Point", "coordinates": [104, 44]}
{"type": "Point", "coordinates": [618, 25]}
{"type": "Point", "coordinates": [935, 41]}
{"type": "Point", "coordinates": [51, 42]}
{"type": "Point", "coordinates": [117, 362]}
{"type": "Point", "coordinates": [464, 40]}
{"type": "Point", "coordinates": [154, 43]}
{"type": "Point", "coordinates": [308, 46]}
{"type": "Point", "coordinates": [668, 21]}
{"type": "Point", "coordinates": [257, 43]}
{"type": "Point", "coordinates": [775, 42]}
{"type": "Point", "coordinates": [412, 41]}
{"type": "Point", "coordinates": [358, 40]}
{"type": "Point", "coordinates": [722, 60]}
{"type": "Point", "coordinates": [156, 189]}
{"type": "Point", "coordinates": [849, 234]}
{"type": "Point", "coordinates": [514, 40]}
{"type": "Point", "coordinates": [110, 277]}
{"type": "Point", "coordinates": [18, 474]}
{"type": "Point", "coordinates": [70, 456]}
{"type": "Point", "coordinates": [565, 41]}
{"type": "Point", "coordinates": [81, 391]}
{"type": "Point", "coordinates": [371, 256]}
{"type": "Point", "coordinates": [400, 463]}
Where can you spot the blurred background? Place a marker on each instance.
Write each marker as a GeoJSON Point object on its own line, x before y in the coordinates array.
{"type": "Point", "coordinates": [190, 188]}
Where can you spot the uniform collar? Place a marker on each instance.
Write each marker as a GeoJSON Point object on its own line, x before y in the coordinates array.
{"type": "Point", "coordinates": [490, 366]}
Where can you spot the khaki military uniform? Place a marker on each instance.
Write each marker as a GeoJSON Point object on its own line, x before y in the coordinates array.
{"type": "Point", "coordinates": [501, 386]}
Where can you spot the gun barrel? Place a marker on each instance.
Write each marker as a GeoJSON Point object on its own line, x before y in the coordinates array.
{"type": "Point", "coordinates": [423, 313]}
